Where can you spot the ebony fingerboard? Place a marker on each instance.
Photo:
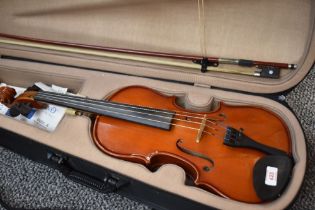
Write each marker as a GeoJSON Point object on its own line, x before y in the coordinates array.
{"type": "Point", "coordinates": [142, 115]}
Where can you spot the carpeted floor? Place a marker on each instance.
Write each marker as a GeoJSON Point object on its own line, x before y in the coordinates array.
{"type": "Point", "coordinates": [302, 101]}
{"type": "Point", "coordinates": [25, 184]}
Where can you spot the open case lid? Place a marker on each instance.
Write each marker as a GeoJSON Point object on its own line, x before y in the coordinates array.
{"type": "Point", "coordinates": [269, 30]}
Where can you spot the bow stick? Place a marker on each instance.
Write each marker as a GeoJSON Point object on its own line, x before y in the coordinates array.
{"type": "Point", "coordinates": [246, 67]}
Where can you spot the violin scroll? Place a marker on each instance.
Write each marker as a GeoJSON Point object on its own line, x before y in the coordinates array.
{"type": "Point", "coordinates": [28, 98]}
{"type": "Point", "coordinates": [7, 95]}
{"type": "Point", "coordinates": [22, 104]}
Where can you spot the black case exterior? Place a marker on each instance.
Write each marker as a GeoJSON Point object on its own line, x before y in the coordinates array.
{"type": "Point", "coordinates": [93, 176]}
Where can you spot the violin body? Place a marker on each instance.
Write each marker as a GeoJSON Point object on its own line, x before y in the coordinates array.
{"type": "Point", "coordinates": [223, 170]}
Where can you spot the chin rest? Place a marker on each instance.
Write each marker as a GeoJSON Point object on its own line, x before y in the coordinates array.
{"type": "Point", "coordinates": [271, 174]}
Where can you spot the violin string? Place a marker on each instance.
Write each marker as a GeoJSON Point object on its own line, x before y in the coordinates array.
{"type": "Point", "coordinates": [132, 106]}
{"type": "Point", "coordinates": [96, 102]}
{"type": "Point", "coordinates": [161, 116]}
{"type": "Point", "coordinates": [178, 125]}
{"type": "Point", "coordinates": [150, 119]}
{"type": "Point", "coordinates": [154, 110]}
{"type": "Point", "coordinates": [124, 105]}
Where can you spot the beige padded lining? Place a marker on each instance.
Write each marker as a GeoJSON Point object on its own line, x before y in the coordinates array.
{"type": "Point", "coordinates": [269, 30]}
{"type": "Point", "coordinates": [89, 81]}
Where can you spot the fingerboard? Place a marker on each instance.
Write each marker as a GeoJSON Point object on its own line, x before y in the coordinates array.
{"type": "Point", "coordinates": [142, 115]}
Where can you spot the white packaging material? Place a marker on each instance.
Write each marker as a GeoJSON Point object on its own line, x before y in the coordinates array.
{"type": "Point", "coordinates": [46, 119]}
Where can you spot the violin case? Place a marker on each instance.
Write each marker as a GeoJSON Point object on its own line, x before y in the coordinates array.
{"type": "Point", "coordinates": [268, 30]}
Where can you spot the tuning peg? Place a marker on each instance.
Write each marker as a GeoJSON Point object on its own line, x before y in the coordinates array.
{"type": "Point", "coordinates": [20, 108]}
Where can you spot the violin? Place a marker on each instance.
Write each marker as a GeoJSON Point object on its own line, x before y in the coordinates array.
{"type": "Point", "coordinates": [237, 152]}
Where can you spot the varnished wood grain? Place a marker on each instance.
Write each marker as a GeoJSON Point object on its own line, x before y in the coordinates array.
{"type": "Point", "coordinates": [231, 176]}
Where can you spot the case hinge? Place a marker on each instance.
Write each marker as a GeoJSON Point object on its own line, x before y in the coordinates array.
{"type": "Point", "coordinates": [56, 158]}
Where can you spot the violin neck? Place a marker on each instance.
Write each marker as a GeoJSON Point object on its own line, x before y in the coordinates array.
{"type": "Point", "coordinates": [142, 115]}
